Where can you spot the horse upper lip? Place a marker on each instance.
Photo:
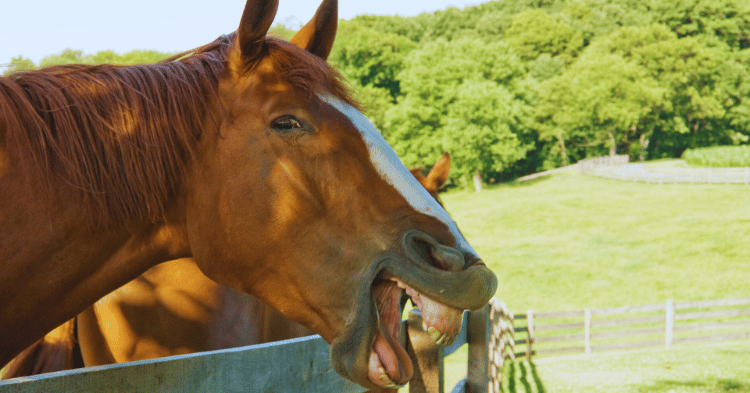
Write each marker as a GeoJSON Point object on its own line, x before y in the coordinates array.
{"type": "Point", "coordinates": [465, 284]}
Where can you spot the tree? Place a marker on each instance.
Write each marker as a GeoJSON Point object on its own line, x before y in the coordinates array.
{"type": "Point", "coordinates": [19, 64]}
{"type": "Point", "coordinates": [67, 56]}
{"type": "Point", "coordinates": [533, 33]}
{"type": "Point", "coordinates": [706, 86]}
{"type": "Point", "coordinates": [482, 127]}
{"type": "Point", "coordinates": [727, 20]}
{"type": "Point", "coordinates": [370, 57]}
{"type": "Point", "coordinates": [562, 115]}
{"type": "Point", "coordinates": [466, 97]}
{"type": "Point", "coordinates": [602, 100]}
{"type": "Point", "coordinates": [282, 30]}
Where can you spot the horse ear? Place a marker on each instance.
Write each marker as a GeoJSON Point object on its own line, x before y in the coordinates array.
{"type": "Point", "coordinates": [439, 173]}
{"type": "Point", "coordinates": [318, 34]}
{"type": "Point", "coordinates": [256, 20]}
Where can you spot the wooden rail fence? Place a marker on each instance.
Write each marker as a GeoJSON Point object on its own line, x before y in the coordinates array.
{"type": "Point", "coordinates": [604, 329]}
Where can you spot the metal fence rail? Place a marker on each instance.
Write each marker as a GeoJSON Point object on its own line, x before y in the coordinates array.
{"type": "Point", "coordinates": [294, 365]}
{"type": "Point", "coordinates": [289, 366]}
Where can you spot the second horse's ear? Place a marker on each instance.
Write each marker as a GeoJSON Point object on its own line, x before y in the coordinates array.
{"type": "Point", "coordinates": [256, 20]}
{"type": "Point", "coordinates": [439, 172]}
{"type": "Point", "coordinates": [318, 34]}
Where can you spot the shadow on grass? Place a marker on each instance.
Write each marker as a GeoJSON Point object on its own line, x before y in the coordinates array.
{"type": "Point", "coordinates": [527, 369]}
{"type": "Point", "coordinates": [721, 385]}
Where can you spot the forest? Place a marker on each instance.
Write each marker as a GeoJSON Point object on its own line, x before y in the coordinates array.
{"type": "Point", "coordinates": [518, 86]}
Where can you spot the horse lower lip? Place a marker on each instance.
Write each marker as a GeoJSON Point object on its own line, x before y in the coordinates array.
{"type": "Point", "coordinates": [389, 363]}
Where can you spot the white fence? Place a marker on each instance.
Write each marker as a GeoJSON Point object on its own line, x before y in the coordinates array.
{"type": "Point", "coordinates": [618, 168]}
{"type": "Point", "coordinates": [666, 324]}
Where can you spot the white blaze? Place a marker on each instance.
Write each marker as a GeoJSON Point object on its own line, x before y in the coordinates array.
{"type": "Point", "coordinates": [394, 172]}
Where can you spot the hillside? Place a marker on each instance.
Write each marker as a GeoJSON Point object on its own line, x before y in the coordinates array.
{"type": "Point", "coordinates": [569, 241]}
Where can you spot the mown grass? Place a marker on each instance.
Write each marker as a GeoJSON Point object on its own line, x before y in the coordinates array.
{"type": "Point", "coordinates": [707, 367]}
{"type": "Point", "coordinates": [721, 367]}
{"type": "Point", "coordinates": [570, 241]}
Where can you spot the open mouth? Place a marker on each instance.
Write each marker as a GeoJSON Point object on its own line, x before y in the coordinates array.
{"type": "Point", "coordinates": [389, 365]}
{"type": "Point", "coordinates": [440, 281]}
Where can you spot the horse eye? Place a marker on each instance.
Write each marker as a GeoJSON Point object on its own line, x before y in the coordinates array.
{"type": "Point", "coordinates": [286, 123]}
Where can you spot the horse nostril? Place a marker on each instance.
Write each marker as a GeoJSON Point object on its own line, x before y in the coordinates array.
{"type": "Point", "coordinates": [446, 258]}
{"type": "Point", "coordinates": [426, 249]}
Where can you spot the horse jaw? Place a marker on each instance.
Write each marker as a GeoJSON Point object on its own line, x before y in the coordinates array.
{"type": "Point", "coordinates": [442, 280]}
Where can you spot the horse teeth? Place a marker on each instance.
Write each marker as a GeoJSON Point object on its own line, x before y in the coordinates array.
{"type": "Point", "coordinates": [386, 381]}
{"type": "Point", "coordinates": [435, 334]}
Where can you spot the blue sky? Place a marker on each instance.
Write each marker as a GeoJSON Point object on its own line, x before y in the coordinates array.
{"type": "Point", "coordinates": [35, 29]}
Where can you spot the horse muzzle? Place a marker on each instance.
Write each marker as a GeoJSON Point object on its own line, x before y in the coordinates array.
{"type": "Point", "coordinates": [441, 281]}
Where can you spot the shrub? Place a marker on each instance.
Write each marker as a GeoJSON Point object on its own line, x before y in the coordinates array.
{"type": "Point", "coordinates": [719, 156]}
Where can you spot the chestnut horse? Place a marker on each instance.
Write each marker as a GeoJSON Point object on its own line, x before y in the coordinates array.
{"type": "Point", "coordinates": [171, 309]}
{"type": "Point", "coordinates": [246, 154]}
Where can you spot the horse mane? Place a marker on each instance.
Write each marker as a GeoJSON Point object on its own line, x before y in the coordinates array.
{"type": "Point", "coordinates": [120, 137]}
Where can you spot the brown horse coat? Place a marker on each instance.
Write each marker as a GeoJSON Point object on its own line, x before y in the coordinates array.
{"type": "Point", "coordinates": [171, 309]}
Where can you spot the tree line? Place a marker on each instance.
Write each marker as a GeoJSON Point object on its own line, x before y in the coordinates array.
{"type": "Point", "coordinates": [517, 86]}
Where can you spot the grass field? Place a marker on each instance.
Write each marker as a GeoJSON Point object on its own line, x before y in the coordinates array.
{"type": "Point", "coordinates": [712, 367]}
{"type": "Point", "coordinates": [570, 241]}
{"type": "Point", "coordinates": [722, 367]}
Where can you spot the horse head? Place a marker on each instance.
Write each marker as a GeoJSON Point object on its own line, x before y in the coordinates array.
{"type": "Point", "coordinates": [298, 200]}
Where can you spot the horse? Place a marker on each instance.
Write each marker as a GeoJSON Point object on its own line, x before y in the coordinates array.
{"type": "Point", "coordinates": [247, 154]}
{"type": "Point", "coordinates": [169, 310]}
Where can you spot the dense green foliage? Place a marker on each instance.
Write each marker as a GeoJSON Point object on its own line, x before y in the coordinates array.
{"type": "Point", "coordinates": [519, 86]}
{"type": "Point", "coordinates": [719, 156]}
{"type": "Point", "coordinates": [70, 56]}
{"type": "Point", "coordinates": [516, 86]}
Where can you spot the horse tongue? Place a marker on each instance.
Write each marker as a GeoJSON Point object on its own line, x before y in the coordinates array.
{"type": "Point", "coordinates": [389, 365]}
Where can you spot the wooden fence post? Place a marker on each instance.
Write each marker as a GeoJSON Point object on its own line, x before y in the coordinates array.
{"type": "Point", "coordinates": [587, 330]}
{"type": "Point", "coordinates": [669, 333]}
{"type": "Point", "coordinates": [426, 356]}
{"type": "Point", "coordinates": [512, 334]}
{"type": "Point", "coordinates": [530, 333]}
{"type": "Point", "coordinates": [479, 376]}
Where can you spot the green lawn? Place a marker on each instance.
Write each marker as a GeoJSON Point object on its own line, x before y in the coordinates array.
{"type": "Point", "coordinates": [570, 241]}
{"type": "Point", "coordinates": [722, 367]}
